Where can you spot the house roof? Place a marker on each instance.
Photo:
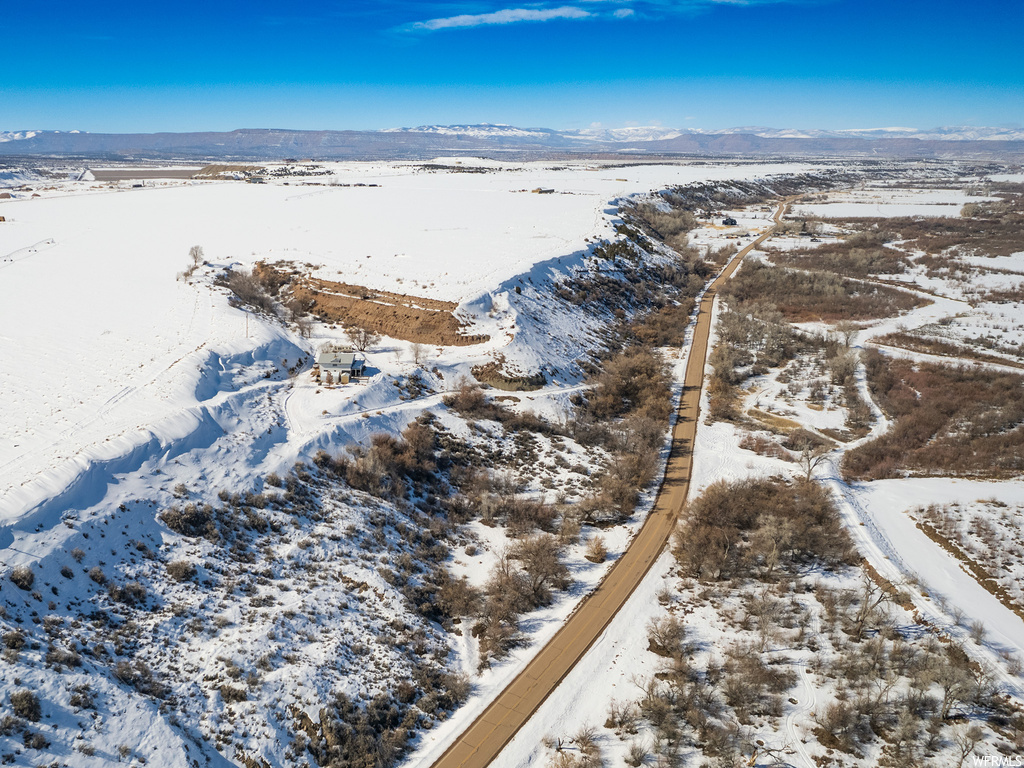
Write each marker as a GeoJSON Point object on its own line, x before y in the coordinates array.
{"type": "Point", "coordinates": [345, 359]}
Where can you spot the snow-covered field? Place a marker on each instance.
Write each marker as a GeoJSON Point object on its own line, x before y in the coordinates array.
{"type": "Point", "coordinates": [103, 349]}
{"type": "Point", "coordinates": [884, 202]}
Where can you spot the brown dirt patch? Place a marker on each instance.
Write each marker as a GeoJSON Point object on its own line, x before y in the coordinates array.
{"type": "Point", "coordinates": [409, 318]}
{"type": "Point", "coordinates": [141, 174]}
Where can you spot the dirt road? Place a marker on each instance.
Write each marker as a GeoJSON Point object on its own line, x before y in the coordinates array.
{"type": "Point", "coordinates": [481, 743]}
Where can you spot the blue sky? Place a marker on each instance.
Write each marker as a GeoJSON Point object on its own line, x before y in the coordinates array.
{"type": "Point", "coordinates": [133, 66]}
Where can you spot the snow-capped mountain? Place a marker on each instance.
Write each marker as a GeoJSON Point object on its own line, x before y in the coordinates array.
{"type": "Point", "coordinates": [16, 135]}
{"type": "Point", "coordinates": [427, 141]}
{"type": "Point", "coordinates": [482, 130]}
{"type": "Point", "coordinates": [948, 133]}
{"type": "Point", "coordinates": [25, 135]}
{"type": "Point", "coordinates": [633, 133]}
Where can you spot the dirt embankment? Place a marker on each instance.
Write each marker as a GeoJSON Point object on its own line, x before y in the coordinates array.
{"type": "Point", "coordinates": [410, 318]}
{"type": "Point", "coordinates": [219, 170]}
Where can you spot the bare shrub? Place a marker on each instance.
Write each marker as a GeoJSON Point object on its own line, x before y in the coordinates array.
{"type": "Point", "coordinates": [508, 594]}
{"type": "Point", "coordinates": [132, 593]}
{"type": "Point", "coordinates": [192, 520]}
{"type": "Point", "coordinates": [638, 754]}
{"type": "Point", "coordinates": [248, 290]}
{"type": "Point", "coordinates": [15, 639]}
{"type": "Point", "coordinates": [837, 726]}
{"type": "Point", "coordinates": [181, 570]}
{"type": "Point", "coordinates": [543, 567]}
{"type": "Point", "coordinates": [948, 420]}
{"type": "Point", "coordinates": [736, 528]}
{"type": "Point", "coordinates": [232, 694]}
{"type": "Point", "coordinates": [597, 552]}
{"type": "Point", "coordinates": [25, 704]}
{"type": "Point", "coordinates": [666, 636]}
{"type": "Point", "coordinates": [139, 676]}
{"type": "Point", "coordinates": [23, 577]}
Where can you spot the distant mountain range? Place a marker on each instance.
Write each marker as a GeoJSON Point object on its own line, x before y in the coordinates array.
{"type": "Point", "coordinates": [655, 133]}
{"type": "Point", "coordinates": [510, 141]}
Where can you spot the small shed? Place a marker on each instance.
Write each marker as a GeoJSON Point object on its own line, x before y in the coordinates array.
{"type": "Point", "coordinates": [340, 364]}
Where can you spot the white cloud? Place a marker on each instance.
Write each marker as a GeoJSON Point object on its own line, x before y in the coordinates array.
{"type": "Point", "coordinates": [505, 16]}
{"type": "Point", "coordinates": [599, 9]}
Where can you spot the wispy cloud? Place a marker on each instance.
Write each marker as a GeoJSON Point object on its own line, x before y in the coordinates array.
{"type": "Point", "coordinates": [504, 16]}
{"type": "Point", "coordinates": [475, 16]}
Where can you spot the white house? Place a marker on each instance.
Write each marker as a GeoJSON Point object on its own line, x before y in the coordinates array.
{"type": "Point", "coordinates": [339, 364]}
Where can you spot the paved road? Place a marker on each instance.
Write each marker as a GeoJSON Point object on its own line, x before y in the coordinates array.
{"type": "Point", "coordinates": [481, 743]}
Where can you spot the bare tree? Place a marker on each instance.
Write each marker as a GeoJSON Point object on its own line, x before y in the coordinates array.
{"type": "Point", "coordinates": [196, 259]}
{"type": "Point", "coordinates": [872, 597]}
{"type": "Point", "coordinates": [362, 338]}
{"type": "Point", "coordinates": [810, 457]}
{"type": "Point", "coordinates": [543, 567]}
{"type": "Point", "coordinates": [847, 330]}
{"type": "Point", "coordinates": [419, 353]}
{"type": "Point", "coordinates": [966, 739]}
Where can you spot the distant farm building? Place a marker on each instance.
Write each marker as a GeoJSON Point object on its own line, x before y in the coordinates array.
{"type": "Point", "coordinates": [340, 366]}
{"type": "Point", "coordinates": [729, 221]}
{"type": "Point", "coordinates": [543, 191]}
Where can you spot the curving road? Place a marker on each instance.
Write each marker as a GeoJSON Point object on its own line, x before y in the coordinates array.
{"type": "Point", "coordinates": [481, 743]}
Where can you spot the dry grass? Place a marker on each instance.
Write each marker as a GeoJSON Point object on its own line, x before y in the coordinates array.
{"type": "Point", "coordinates": [824, 296]}
{"type": "Point", "coordinates": [773, 422]}
{"type": "Point", "coordinates": [860, 256]}
{"type": "Point", "coordinates": [930, 346]}
{"type": "Point", "coordinates": [949, 420]}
